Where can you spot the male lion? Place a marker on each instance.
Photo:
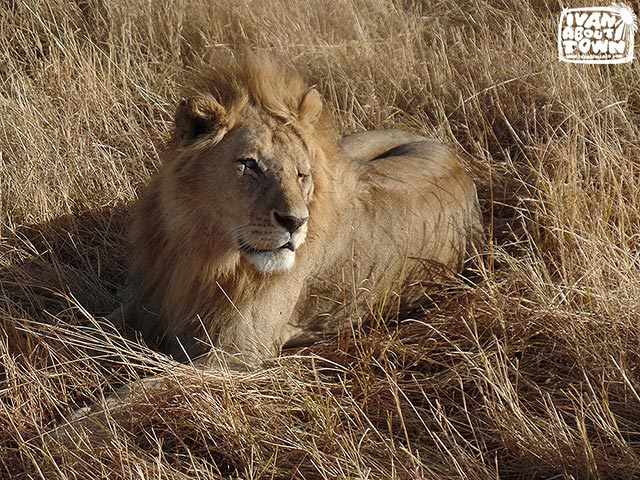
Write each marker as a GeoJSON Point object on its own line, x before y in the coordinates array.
{"type": "Point", "coordinates": [261, 229]}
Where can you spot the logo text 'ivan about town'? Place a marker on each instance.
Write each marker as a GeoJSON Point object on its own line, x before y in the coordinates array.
{"type": "Point", "coordinates": [597, 34]}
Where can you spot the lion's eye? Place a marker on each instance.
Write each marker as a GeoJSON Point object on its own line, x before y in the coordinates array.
{"type": "Point", "coordinates": [248, 165]}
{"type": "Point", "coordinates": [302, 176]}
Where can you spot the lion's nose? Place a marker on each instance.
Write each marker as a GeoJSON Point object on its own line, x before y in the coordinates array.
{"type": "Point", "coordinates": [289, 222]}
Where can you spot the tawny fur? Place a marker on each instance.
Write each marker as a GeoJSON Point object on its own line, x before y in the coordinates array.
{"type": "Point", "coordinates": [387, 211]}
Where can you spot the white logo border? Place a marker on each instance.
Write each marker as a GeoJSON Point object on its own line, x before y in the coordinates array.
{"type": "Point", "coordinates": [615, 8]}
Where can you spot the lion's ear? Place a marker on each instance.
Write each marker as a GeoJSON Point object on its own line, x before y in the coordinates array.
{"type": "Point", "coordinates": [197, 116]}
{"type": "Point", "coordinates": [310, 107]}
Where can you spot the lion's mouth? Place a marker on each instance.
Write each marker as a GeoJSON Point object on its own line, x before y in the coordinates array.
{"type": "Point", "coordinates": [246, 248]}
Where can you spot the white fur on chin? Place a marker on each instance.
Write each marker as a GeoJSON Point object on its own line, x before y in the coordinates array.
{"type": "Point", "coordinates": [274, 261]}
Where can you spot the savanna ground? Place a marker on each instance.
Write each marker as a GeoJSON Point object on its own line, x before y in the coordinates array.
{"type": "Point", "coordinates": [528, 368]}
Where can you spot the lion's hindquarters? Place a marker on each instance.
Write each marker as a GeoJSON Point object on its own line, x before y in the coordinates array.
{"type": "Point", "coordinates": [418, 217]}
{"type": "Point", "coordinates": [425, 202]}
{"type": "Point", "coordinates": [410, 220]}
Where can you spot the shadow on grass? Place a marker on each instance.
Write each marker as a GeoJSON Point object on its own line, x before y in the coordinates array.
{"type": "Point", "coordinates": [51, 271]}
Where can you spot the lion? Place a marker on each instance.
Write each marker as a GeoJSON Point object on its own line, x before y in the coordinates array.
{"type": "Point", "coordinates": [262, 229]}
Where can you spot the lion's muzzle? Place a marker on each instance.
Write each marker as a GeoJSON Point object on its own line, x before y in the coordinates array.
{"type": "Point", "coordinates": [274, 251]}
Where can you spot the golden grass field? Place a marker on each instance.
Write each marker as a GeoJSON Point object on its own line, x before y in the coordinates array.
{"type": "Point", "coordinates": [528, 368]}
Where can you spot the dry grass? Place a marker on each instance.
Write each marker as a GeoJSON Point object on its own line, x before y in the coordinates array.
{"type": "Point", "coordinates": [530, 372]}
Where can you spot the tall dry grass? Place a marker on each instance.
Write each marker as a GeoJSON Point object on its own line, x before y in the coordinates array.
{"type": "Point", "coordinates": [530, 370]}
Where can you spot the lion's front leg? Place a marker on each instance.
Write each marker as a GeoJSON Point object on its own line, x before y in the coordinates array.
{"type": "Point", "coordinates": [257, 332]}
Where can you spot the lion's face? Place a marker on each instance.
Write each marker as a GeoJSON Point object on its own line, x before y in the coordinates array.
{"type": "Point", "coordinates": [270, 169]}
{"type": "Point", "coordinates": [254, 187]}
